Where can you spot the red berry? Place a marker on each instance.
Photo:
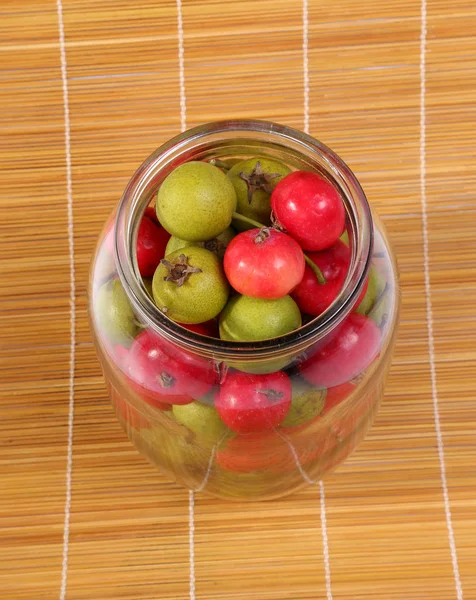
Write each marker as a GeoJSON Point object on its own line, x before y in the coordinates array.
{"type": "Point", "coordinates": [152, 215]}
{"type": "Point", "coordinates": [314, 298]}
{"type": "Point", "coordinates": [253, 452]}
{"type": "Point", "coordinates": [120, 354]}
{"type": "Point", "coordinates": [167, 373]}
{"type": "Point", "coordinates": [349, 352]}
{"type": "Point", "coordinates": [344, 422]}
{"type": "Point", "coordinates": [336, 395]}
{"type": "Point", "coordinates": [309, 208]}
{"type": "Point", "coordinates": [116, 352]}
{"type": "Point", "coordinates": [264, 263]}
{"type": "Point", "coordinates": [209, 328]}
{"type": "Point", "coordinates": [152, 239]}
{"type": "Point", "coordinates": [273, 452]}
{"type": "Point", "coordinates": [151, 242]}
{"type": "Point", "coordinates": [158, 401]}
{"type": "Point", "coordinates": [362, 293]}
{"type": "Point", "coordinates": [254, 403]}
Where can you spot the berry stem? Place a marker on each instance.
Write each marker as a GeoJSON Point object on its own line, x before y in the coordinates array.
{"type": "Point", "coordinates": [315, 269]}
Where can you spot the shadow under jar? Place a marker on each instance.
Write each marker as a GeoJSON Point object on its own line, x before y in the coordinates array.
{"type": "Point", "coordinates": [207, 456]}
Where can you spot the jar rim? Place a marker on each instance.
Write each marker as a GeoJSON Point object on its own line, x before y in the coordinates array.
{"type": "Point", "coordinates": [183, 148]}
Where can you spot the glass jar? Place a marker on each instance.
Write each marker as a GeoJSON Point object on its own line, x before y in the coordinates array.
{"type": "Point", "coordinates": [144, 355]}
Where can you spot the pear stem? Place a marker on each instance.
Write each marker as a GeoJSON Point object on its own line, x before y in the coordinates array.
{"type": "Point", "coordinates": [312, 265]}
{"type": "Point", "coordinates": [247, 220]}
{"type": "Point", "coordinates": [216, 162]}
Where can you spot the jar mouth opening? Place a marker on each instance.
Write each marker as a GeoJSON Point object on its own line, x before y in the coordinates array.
{"type": "Point", "coordinates": [221, 139]}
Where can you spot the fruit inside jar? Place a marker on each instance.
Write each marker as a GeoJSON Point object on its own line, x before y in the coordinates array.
{"type": "Point", "coordinates": [233, 385]}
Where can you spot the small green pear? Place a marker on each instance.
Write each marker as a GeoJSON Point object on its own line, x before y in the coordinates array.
{"type": "Point", "coordinates": [375, 289]}
{"type": "Point", "coordinates": [114, 314]}
{"type": "Point", "coordinates": [196, 202]}
{"type": "Point", "coordinates": [254, 180]}
{"type": "Point", "coordinates": [217, 245]}
{"type": "Point", "coordinates": [190, 286]}
{"type": "Point", "coordinates": [209, 397]}
{"type": "Point", "coordinates": [176, 243]}
{"type": "Point", "coordinates": [307, 403]}
{"type": "Point", "coordinates": [202, 419]}
{"type": "Point", "coordinates": [381, 312]}
{"type": "Point", "coordinates": [172, 452]}
{"type": "Point", "coordinates": [148, 286]}
{"type": "Point", "coordinates": [247, 319]}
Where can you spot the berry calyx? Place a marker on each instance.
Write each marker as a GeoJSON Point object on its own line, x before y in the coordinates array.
{"type": "Point", "coordinates": [271, 395]}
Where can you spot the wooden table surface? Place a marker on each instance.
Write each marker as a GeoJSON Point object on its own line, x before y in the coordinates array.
{"type": "Point", "coordinates": [88, 90]}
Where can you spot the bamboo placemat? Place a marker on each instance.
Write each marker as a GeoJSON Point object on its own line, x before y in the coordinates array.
{"type": "Point", "coordinates": [88, 90]}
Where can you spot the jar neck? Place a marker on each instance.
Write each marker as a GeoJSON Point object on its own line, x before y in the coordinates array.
{"type": "Point", "coordinates": [243, 139]}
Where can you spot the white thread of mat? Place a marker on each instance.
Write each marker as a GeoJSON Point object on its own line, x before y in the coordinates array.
{"type": "Point", "coordinates": [183, 106]}
{"type": "Point", "coordinates": [322, 499]}
{"type": "Point", "coordinates": [322, 496]}
{"type": "Point", "coordinates": [297, 462]}
{"type": "Point", "coordinates": [72, 300]}
{"type": "Point", "coordinates": [429, 310]}
{"type": "Point", "coordinates": [325, 541]}
{"type": "Point", "coordinates": [202, 486]}
{"type": "Point", "coordinates": [183, 126]}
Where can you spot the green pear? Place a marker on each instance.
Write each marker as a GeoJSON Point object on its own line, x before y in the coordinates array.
{"type": "Point", "coordinates": [262, 367]}
{"type": "Point", "coordinates": [254, 180]}
{"type": "Point", "coordinates": [176, 243]}
{"type": "Point", "coordinates": [217, 245]}
{"type": "Point", "coordinates": [148, 285]}
{"type": "Point", "coordinates": [307, 403]}
{"type": "Point", "coordinates": [202, 419]}
{"type": "Point", "coordinates": [173, 453]}
{"type": "Point", "coordinates": [209, 397]}
{"type": "Point", "coordinates": [114, 314]}
{"type": "Point", "coordinates": [190, 286]}
{"type": "Point", "coordinates": [375, 289]}
{"type": "Point", "coordinates": [381, 311]}
{"type": "Point", "coordinates": [196, 202]}
{"type": "Point", "coordinates": [247, 319]}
